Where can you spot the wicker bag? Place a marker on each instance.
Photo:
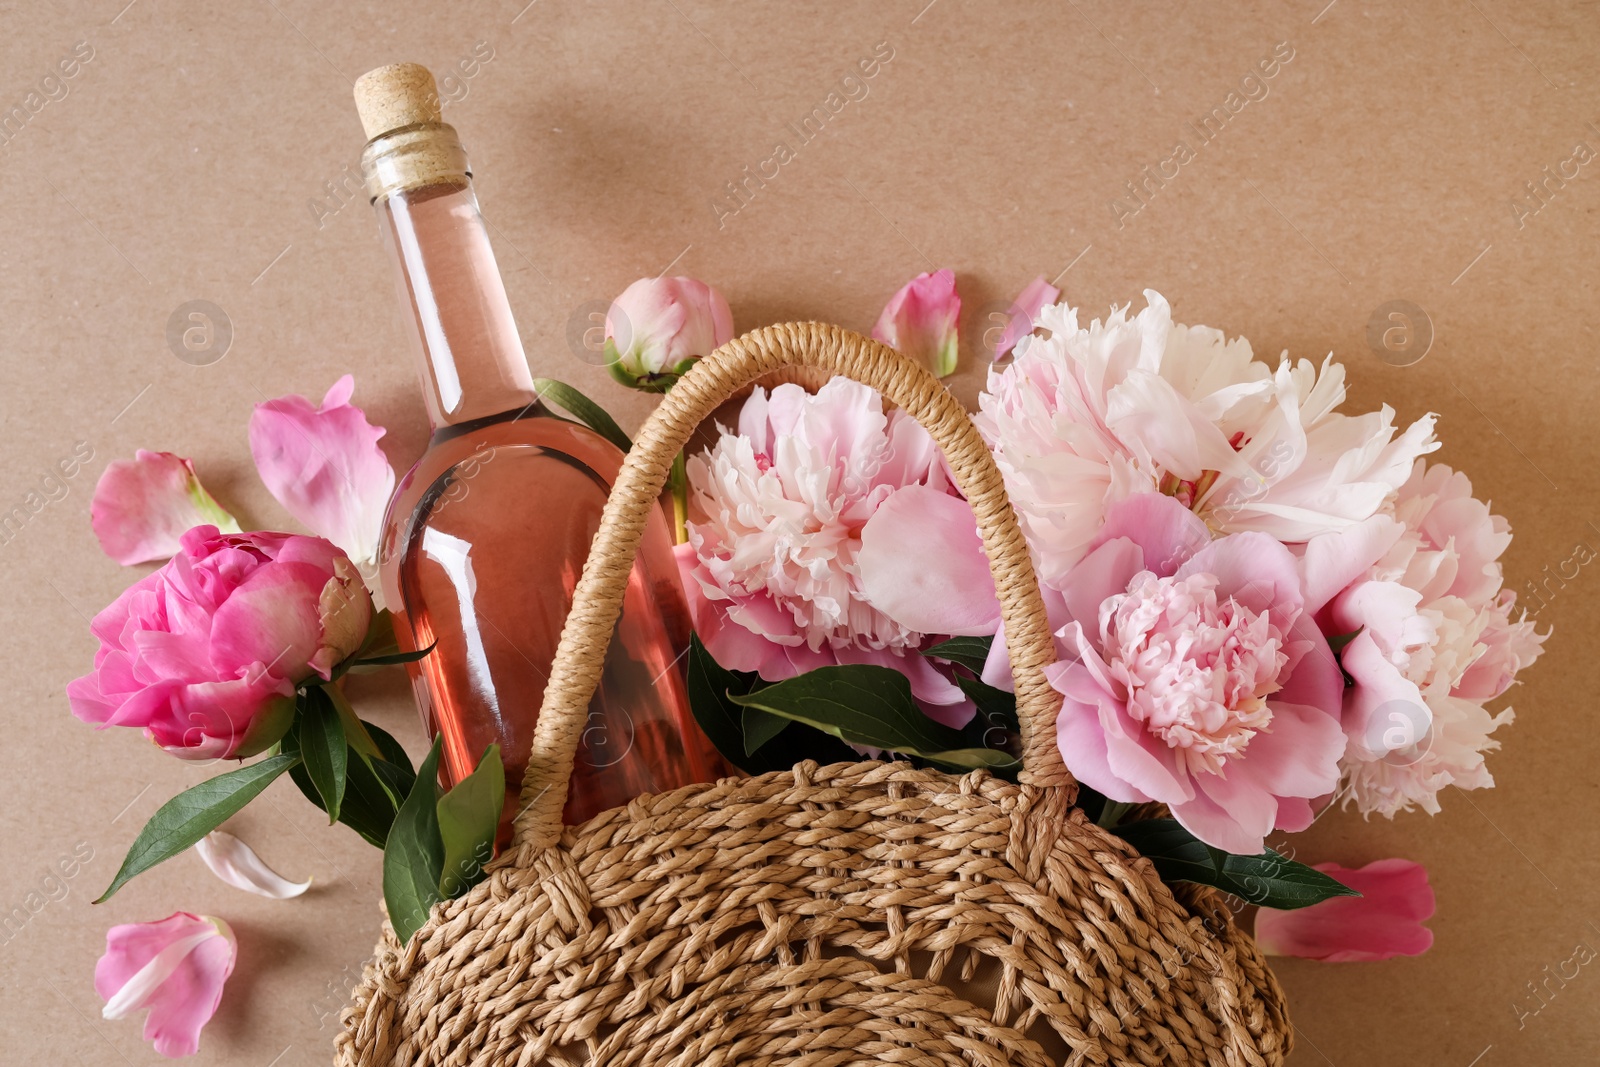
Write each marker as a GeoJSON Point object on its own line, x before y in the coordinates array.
{"type": "Point", "coordinates": [857, 913]}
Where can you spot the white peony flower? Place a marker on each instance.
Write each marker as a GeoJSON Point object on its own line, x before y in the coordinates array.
{"type": "Point", "coordinates": [1085, 416]}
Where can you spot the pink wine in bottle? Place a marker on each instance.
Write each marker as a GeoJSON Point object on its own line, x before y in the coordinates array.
{"type": "Point", "coordinates": [486, 536]}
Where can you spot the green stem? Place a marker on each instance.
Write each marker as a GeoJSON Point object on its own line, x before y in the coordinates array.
{"type": "Point", "coordinates": [1112, 813]}
{"type": "Point", "coordinates": [679, 482]}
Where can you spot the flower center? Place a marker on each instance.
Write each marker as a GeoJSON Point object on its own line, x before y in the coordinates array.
{"type": "Point", "coordinates": [1198, 670]}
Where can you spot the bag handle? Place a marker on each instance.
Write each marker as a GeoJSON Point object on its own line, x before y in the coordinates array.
{"type": "Point", "coordinates": [597, 600]}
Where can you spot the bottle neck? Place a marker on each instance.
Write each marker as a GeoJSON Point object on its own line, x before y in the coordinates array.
{"type": "Point", "coordinates": [454, 302]}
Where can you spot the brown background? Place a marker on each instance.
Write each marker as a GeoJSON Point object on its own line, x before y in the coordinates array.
{"type": "Point", "coordinates": [188, 156]}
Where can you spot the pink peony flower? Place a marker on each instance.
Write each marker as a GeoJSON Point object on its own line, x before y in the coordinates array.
{"type": "Point", "coordinates": [658, 327]}
{"type": "Point", "coordinates": [1383, 922]}
{"type": "Point", "coordinates": [1085, 417]}
{"type": "Point", "coordinates": [324, 466]}
{"type": "Point", "coordinates": [920, 321]}
{"type": "Point", "coordinates": [176, 968]}
{"type": "Point", "coordinates": [1194, 677]}
{"type": "Point", "coordinates": [1434, 641]}
{"type": "Point", "coordinates": [205, 653]}
{"type": "Point", "coordinates": [143, 505]}
{"type": "Point", "coordinates": [793, 527]}
{"type": "Point", "coordinates": [1024, 315]}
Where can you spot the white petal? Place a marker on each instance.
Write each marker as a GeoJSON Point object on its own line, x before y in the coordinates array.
{"type": "Point", "coordinates": [237, 864]}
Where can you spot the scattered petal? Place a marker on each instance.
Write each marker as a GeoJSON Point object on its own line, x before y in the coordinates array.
{"type": "Point", "coordinates": [237, 864]}
{"type": "Point", "coordinates": [1383, 922]}
{"type": "Point", "coordinates": [143, 505]}
{"type": "Point", "coordinates": [324, 466]}
{"type": "Point", "coordinates": [920, 321]}
{"type": "Point", "coordinates": [176, 968]}
{"type": "Point", "coordinates": [1024, 314]}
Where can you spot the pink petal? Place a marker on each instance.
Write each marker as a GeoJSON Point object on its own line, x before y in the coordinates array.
{"type": "Point", "coordinates": [236, 863]}
{"type": "Point", "coordinates": [324, 466]}
{"type": "Point", "coordinates": [920, 320]}
{"type": "Point", "coordinates": [1254, 569]}
{"type": "Point", "coordinates": [1234, 813]}
{"type": "Point", "coordinates": [272, 619]}
{"type": "Point", "coordinates": [1384, 711]}
{"type": "Point", "coordinates": [922, 564]}
{"type": "Point", "coordinates": [1383, 922]}
{"type": "Point", "coordinates": [1166, 531]}
{"type": "Point", "coordinates": [1334, 560]}
{"type": "Point", "coordinates": [1147, 413]}
{"type": "Point", "coordinates": [1083, 749]}
{"type": "Point", "coordinates": [175, 968]}
{"type": "Point", "coordinates": [1296, 756]}
{"type": "Point", "coordinates": [1024, 313]}
{"type": "Point", "coordinates": [142, 506]}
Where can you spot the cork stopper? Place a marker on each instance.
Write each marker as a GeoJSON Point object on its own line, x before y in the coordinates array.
{"type": "Point", "coordinates": [399, 95]}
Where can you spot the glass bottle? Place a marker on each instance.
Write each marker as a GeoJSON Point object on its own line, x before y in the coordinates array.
{"type": "Point", "coordinates": [486, 536]}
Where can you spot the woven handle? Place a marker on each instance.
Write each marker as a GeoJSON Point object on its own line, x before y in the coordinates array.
{"type": "Point", "coordinates": [598, 598]}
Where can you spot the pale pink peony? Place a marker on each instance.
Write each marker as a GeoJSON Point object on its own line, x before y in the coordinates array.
{"type": "Point", "coordinates": [205, 653]}
{"type": "Point", "coordinates": [175, 969]}
{"type": "Point", "coordinates": [658, 327]}
{"type": "Point", "coordinates": [794, 522]}
{"type": "Point", "coordinates": [143, 505]}
{"type": "Point", "coordinates": [1194, 677]}
{"type": "Point", "coordinates": [1087, 416]}
{"type": "Point", "coordinates": [920, 321]}
{"type": "Point", "coordinates": [1434, 640]}
{"type": "Point", "coordinates": [323, 464]}
{"type": "Point", "coordinates": [1383, 922]}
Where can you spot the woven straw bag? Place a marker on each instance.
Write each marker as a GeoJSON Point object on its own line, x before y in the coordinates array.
{"type": "Point", "coordinates": [857, 913]}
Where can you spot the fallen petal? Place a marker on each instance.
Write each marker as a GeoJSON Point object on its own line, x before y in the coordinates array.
{"type": "Point", "coordinates": [236, 863]}
{"type": "Point", "coordinates": [1024, 314]}
{"type": "Point", "coordinates": [1383, 922]}
{"type": "Point", "coordinates": [920, 320]}
{"type": "Point", "coordinates": [143, 505]}
{"type": "Point", "coordinates": [175, 968]}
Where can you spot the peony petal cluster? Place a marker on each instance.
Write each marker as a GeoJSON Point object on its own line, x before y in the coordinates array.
{"type": "Point", "coordinates": [205, 653]}
{"type": "Point", "coordinates": [1433, 639]}
{"type": "Point", "coordinates": [1084, 416]}
{"type": "Point", "coordinates": [1193, 676]}
{"type": "Point", "coordinates": [798, 517]}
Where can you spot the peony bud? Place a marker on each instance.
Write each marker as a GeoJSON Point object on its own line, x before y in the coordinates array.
{"type": "Point", "coordinates": [658, 327]}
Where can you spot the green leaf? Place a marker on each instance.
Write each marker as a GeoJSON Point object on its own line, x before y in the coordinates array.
{"type": "Point", "coordinates": [355, 731]}
{"type": "Point", "coordinates": [871, 706]}
{"type": "Point", "coordinates": [759, 728]}
{"type": "Point", "coordinates": [195, 812]}
{"type": "Point", "coordinates": [323, 748]}
{"type": "Point", "coordinates": [413, 855]}
{"type": "Point", "coordinates": [1338, 641]}
{"type": "Point", "coordinates": [970, 652]}
{"type": "Point", "coordinates": [583, 409]}
{"type": "Point", "coordinates": [1270, 879]}
{"type": "Point", "coordinates": [374, 788]}
{"type": "Point", "coordinates": [710, 689]}
{"type": "Point", "coordinates": [391, 659]}
{"type": "Point", "coordinates": [469, 817]}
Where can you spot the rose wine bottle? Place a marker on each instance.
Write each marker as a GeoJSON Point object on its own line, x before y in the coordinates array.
{"type": "Point", "coordinates": [486, 536]}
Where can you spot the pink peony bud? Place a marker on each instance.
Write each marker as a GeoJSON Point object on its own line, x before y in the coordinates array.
{"type": "Point", "coordinates": [1384, 921]}
{"type": "Point", "coordinates": [920, 321]}
{"type": "Point", "coordinates": [658, 327]}
{"type": "Point", "coordinates": [205, 654]}
{"type": "Point", "coordinates": [142, 506]}
{"type": "Point", "coordinates": [176, 968]}
{"type": "Point", "coordinates": [323, 464]}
